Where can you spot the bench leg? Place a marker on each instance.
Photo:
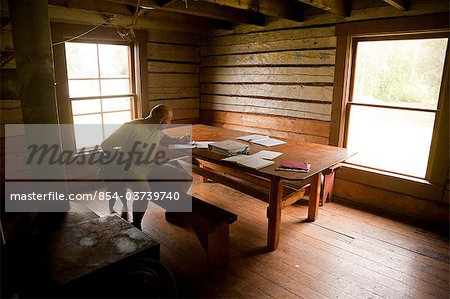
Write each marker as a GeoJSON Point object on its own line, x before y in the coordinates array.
{"type": "Point", "coordinates": [216, 245]}
{"type": "Point", "coordinates": [218, 252]}
{"type": "Point", "coordinates": [204, 179]}
{"type": "Point", "coordinates": [328, 184]}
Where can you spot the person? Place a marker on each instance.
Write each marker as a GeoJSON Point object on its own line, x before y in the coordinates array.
{"type": "Point", "coordinates": [142, 138]}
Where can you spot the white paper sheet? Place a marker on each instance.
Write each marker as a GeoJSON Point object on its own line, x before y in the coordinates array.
{"type": "Point", "coordinates": [269, 142]}
{"type": "Point", "coordinates": [268, 155]}
{"type": "Point", "coordinates": [252, 138]}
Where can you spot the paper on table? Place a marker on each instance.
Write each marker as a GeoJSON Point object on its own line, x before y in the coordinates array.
{"type": "Point", "coordinates": [268, 155]}
{"type": "Point", "coordinates": [252, 138]}
{"type": "Point", "coordinates": [269, 142]}
{"type": "Point", "coordinates": [255, 162]}
{"type": "Point", "coordinates": [236, 158]}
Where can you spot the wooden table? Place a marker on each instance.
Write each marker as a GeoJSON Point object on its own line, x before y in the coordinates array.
{"type": "Point", "coordinates": [267, 184]}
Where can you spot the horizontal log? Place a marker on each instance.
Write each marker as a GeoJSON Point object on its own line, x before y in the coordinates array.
{"type": "Point", "coordinates": [297, 92]}
{"type": "Point", "coordinates": [323, 74]}
{"type": "Point", "coordinates": [256, 46]}
{"type": "Point", "coordinates": [259, 110]}
{"type": "Point", "coordinates": [162, 93]}
{"type": "Point", "coordinates": [172, 80]}
{"type": "Point", "coordinates": [11, 116]}
{"type": "Point", "coordinates": [293, 106]}
{"type": "Point", "coordinates": [273, 133]}
{"type": "Point", "coordinates": [171, 67]}
{"type": "Point", "coordinates": [167, 52]}
{"type": "Point", "coordinates": [185, 113]}
{"type": "Point", "coordinates": [392, 202]}
{"type": "Point", "coordinates": [232, 38]}
{"type": "Point", "coordinates": [174, 37]}
{"type": "Point", "coordinates": [193, 103]}
{"type": "Point", "coordinates": [302, 57]}
{"type": "Point", "coordinates": [190, 121]}
{"type": "Point", "coordinates": [10, 104]}
{"type": "Point", "coordinates": [288, 124]}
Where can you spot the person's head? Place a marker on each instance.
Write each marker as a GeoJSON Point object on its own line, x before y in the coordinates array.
{"type": "Point", "coordinates": [161, 114]}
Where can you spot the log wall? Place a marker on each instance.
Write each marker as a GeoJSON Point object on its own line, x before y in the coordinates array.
{"type": "Point", "coordinates": [173, 68]}
{"type": "Point", "coordinates": [277, 82]}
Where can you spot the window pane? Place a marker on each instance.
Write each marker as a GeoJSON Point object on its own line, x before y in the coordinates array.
{"type": "Point", "coordinates": [87, 119]}
{"type": "Point", "coordinates": [404, 73]}
{"type": "Point", "coordinates": [88, 130]}
{"type": "Point", "coordinates": [83, 88]}
{"type": "Point", "coordinates": [115, 104]}
{"type": "Point", "coordinates": [113, 61]}
{"type": "Point", "coordinates": [81, 60]}
{"type": "Point", "coordinates": [115, 87]}
{"type": "Point", "coordinates": [85, 106]}
{"type": "Point", "coordinates": [391, 139]}
{"type": "Point", "coordinates": [117, 117]}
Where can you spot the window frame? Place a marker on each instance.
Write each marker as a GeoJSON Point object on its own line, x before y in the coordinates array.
{"type": "Point", "coordinates": [349, 102]}
{"type": "Point", "coordinates": [347, 34]}
{"type": "Point", "coordinates": [101, 35]}
{"type": "Point", "coordinates": [132, 94]}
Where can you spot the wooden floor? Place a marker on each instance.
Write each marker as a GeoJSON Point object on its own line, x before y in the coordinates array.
{"type": "Point", "coordinates": [347, 253]}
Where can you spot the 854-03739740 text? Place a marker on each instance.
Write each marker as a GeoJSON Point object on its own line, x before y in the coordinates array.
{"type": "Point", "coordinates": [97, 195]}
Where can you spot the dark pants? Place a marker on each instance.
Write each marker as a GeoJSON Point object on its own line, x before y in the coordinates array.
{"type": "Point", "coordinates": [163, 179]}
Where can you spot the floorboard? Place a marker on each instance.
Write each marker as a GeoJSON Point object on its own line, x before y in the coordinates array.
{"type": "Point", "coordinates": [346, 253]}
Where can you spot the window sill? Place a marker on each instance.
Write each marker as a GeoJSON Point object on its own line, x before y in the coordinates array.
{"type": "Point", "coordinates": [412, 186]}
{"type": "Point", "coordinates": [386, 173]}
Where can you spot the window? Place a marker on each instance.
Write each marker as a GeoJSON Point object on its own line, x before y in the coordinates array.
{"type": "Point", "coordinates": [100, 89]}
{"type": "Point", "coordinates": [393, 102]}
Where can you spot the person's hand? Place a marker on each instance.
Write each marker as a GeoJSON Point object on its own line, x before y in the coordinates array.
{"type": "Point", "coordinates": [185, 139]}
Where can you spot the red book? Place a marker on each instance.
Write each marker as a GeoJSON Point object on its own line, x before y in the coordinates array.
{"type": "Point", "coordinates": [295, 165]}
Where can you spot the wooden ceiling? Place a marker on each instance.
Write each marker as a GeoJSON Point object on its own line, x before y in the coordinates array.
{"type": "Point", "coordinates": [199, 15]}
{"type": "Point", "coordinates": [234, 11]}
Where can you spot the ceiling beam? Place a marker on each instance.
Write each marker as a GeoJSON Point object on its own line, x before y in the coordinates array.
{"type": "Point", "coordinates": [215, 11]}
{"type": "Point", "coordinates": [337, 7]}
{"type": "Point", "coordinates": [96, 12]}
{"type": "Point", "coordinates": [283, 9]}
{"type": "Point", "coordinates": [195, 8]}
{"type": "Point", "coordinates": [399, 4]}
{"type": "Point", "coordinates": [98, 6]}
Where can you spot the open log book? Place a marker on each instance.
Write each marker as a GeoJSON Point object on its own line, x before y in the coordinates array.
{"type": "Point", "coordinates": [263, 140]}
{"type": "Point", "coordinates": [256, 161]}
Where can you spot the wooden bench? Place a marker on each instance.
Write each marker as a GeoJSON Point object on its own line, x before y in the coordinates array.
{"type": "Point", "coordinates": [211, 226]}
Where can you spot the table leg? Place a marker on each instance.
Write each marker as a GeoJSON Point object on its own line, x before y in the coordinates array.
{"type": "Point", "coordinates": [274, 215]}
{"type": "Point", "coordinates": [314, 197]}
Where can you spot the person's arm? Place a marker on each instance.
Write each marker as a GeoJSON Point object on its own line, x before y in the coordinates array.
{"type": "Point", "coordinates": [166, 140]}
